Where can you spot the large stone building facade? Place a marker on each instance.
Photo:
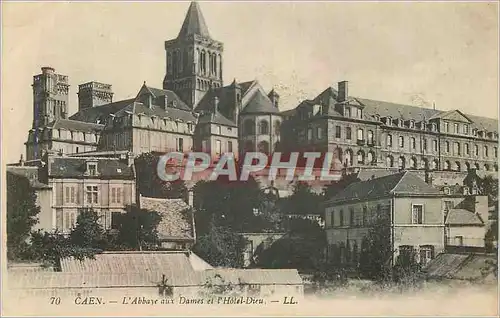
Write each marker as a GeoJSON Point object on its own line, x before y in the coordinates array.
{"type": "Point", "coordinates": [195, 111]}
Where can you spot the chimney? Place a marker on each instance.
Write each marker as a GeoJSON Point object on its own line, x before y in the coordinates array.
{"type": "Point", "coordinates": [216, 104]}
{"type": "Point", "coordinates": [343, 91]}
{"type": "Point", "coordinates": [21, 161]}
{"type": "Point", "coordinates": [166, 101]}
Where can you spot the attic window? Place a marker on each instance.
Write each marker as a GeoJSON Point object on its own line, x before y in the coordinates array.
{"type": "Point", "coordinates": [92, 168]}
{"type": "Point", "coordinates": [400, 122]}
{"type": "Point", "coordinates": [119, 170]}
{"type": "Point", "coordinates": [446, 190]}
{"type": "Point", "coordinates": [412, 124]}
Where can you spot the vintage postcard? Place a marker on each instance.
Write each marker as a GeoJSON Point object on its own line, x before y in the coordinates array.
{"type": "Point", "coordinates": [212, 158]}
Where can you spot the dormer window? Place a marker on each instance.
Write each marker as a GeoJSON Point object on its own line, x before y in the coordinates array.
{"type": "Point", "coordinates": [377, 117]}
{"type": "Point", "coordinates": [446, 190]}
{"type": "Point", "coordinates": [92, 168]}
{"type": "Point", "coordinates": [388, 121]}
{"type": "Point", "coordinates": [434, 127]}
{"type": "Point", "coordinates": [400, 122]}
{"type": "Point", "coordinates": [466, 129]}
{"type": "Point", "coordinates": [412, 124]}
{"type": "Point", "coordinates": [348, 112]}
{"type": "Point", "coordinates": [446, 127]}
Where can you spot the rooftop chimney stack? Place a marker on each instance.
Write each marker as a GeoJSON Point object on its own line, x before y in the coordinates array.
{"type": "Point", "coordinates": [216, 104]}
{"type": "Point", "coordinates": [343, 91]}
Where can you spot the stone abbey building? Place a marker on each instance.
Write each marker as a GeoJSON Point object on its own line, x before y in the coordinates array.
{"type": "Point", "coordinates": [194, 111]}
{"type": "Point", "coordinates": [86, 155]}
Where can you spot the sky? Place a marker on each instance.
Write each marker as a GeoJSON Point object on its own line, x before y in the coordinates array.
{"type": "Point", "coordinates": [444, 53]}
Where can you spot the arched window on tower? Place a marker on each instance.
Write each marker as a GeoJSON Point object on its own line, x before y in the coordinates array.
{"type": "Point", "coordinates": [214, 57]}
{"type": "Point", "coordinates": [175, 62]}
{"type": "Point", "coordinates": [264, 127]}
{"type": "Point", "coordinates": [203, 62]}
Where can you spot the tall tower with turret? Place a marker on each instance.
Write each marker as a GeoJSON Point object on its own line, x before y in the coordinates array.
{"type": "Point", "coordinates": [50, 97]}
{"type": "Point", "coordinates": [194, 59]}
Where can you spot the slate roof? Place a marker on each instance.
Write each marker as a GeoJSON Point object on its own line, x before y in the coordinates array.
{"type": "Point", "coordinates": [174, 113]}
{"type": "Point", "coordinates": [463, 217]}
{"type": "Point", "coordinates": [171, 96]}
{"type": "Point", "coordinates": [396, 110]}
{"type": "Point", "coordinates": [75, 125]}
{"type": "Point", "coordinates": [194, 23]}
{"type": "Point", "coordinates": [259, 103]}
{"type": "Point", "coordinates": [114, 279]}
{"type": "Point", "coordinates": [174, 225]}
{"type": "Point", "coordinates": [215, 118]}
{"type": "Point", "coordinates": [93, 114]}
{"type": "Point", "coordinates": [75, 167]}
{"type": "Point", "coordinates": [30, 173]}
{"type": "Point", "coordinates": [459, 266]}
{"type": "Point", "coordinates": [402, 183]}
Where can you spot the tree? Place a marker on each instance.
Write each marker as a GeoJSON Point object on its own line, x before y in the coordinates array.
{"type": "Point", "coordinates": [302, 201]}
{"type": "Point", "coordinates": [376, 251]}
{"type": "Point", "coordinates": [489, 187]}
{"type": "Point", "coordinates": [221, 247]}
{"type": "Point", "coordinates": [22, 212]}
{"type": "Point", "coordinates": [150, 184]}
{"type": "Point", "coordinates": [50, 248]}
{"type": "Point", "coordinates": [88, 233]}
{"type": "Point", "coordinates": [138, 228]}
{"type": "Point", "coordinates": [302, 248]}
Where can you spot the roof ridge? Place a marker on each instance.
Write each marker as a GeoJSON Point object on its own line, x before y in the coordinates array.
{"type": "Point", "coordinates": [404, 173]}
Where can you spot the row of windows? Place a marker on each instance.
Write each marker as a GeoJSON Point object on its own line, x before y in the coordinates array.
{"type": "Point", "coordinates": [434, 164]}
{"type": "Point", "coordinates": [218, 146]}
{"type": "Point", "coordinates": [363, 219]}
{"type": "Point", "coordinates": [360, 134]}
{"type": "Point", "coordinates": [75, 135]}
{"type": "Point", "coordinates": [66, 220]}
{"type": "Point", "coordinates": [457, 150]}
{"type": "Point", "coordinates": [71, 194]}
{"type": "Point", "coordinates": [263, 127]}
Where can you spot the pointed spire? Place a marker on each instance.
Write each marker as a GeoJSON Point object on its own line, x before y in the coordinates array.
{"type": "Point", "coordinates": [194, 23]}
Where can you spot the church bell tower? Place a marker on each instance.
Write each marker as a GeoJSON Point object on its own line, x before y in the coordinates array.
{"type": "Point", "coordinates": [194, 59]}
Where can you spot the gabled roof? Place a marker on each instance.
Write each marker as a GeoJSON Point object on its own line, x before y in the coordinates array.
{"type": "Point", "coordinates": [75, 125]}
{"type": "Point", "coordinates": [259, 103]}
{"type": "Point", "coordinates": [215, 118]}
{"type": "Point", "coordinates": [194, 22]}
{"type": "Point", "coordinates": [454, 114]}
{"type": "Point", "coordinates": [158, 96]}
{"type": "Point", "coordinates": [100, 113]}
{"type": "Point", "coordinates": [75, 167]}
{"type": "Point", "coordinates": [463, 217]}
{"type": "Point", "coordinates": [174, 224]}
{"type": "Point", "coordinates": [403, 183]}
{"type": "Point", "coordinates": [30, 173]}
{"type": "Point", "coordinates": [409, 112]}
{"type": "Point", "coordinates": [461, 266]}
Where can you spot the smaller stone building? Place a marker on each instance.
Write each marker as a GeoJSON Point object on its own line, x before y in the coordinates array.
{"type": "Point", "coordinates": [420, 217]}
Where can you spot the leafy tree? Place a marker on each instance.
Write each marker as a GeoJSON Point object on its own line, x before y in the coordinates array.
{"type": "Point", "coordinates": [376, 251]}
{"type": "Point", "coordinates": [302, 248]}
{"type": "Point", "coordinates": [302, 201]}
{"type": "Point", "coordinates": [88, 233]}
{"type": "Point", "coordinates": [138, 228]}
{"type": "Point", "coordinates": [231, 204]}
{"type": "Point", "coordinates": [489, 187]}
{"type": "Point", "coordinates": [22, 214]}
{"type": "Point", "coordinates": [150, 184]}
{"type": "Point", "coordinates": [50, 248]}
{"type": "Point", "coordinates": [221, 247]}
